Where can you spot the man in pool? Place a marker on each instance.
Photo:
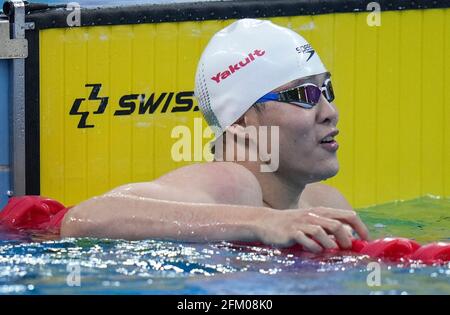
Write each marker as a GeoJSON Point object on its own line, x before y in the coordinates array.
{"type": "Point", "coordinates": [252, 73]}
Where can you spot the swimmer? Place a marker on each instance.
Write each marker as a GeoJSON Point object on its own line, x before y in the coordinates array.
{"type": "Point", "coordinates": [252, 75]}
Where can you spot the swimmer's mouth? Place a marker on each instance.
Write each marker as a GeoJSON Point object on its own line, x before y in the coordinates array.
{"type": "Point", "coordinates": [330, 137]}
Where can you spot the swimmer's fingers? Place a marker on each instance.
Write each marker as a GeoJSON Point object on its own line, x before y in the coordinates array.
{"type": "Point", "coordinates": [319, 235]}
{"type": "Point", "coordinates": [307, 243]}
{"type": "Point", "coordinates": [348, 230]}
{"type": "Point", "coordinates": [347, 216]}
{"type": "Point", "coordinates": [334, 227]}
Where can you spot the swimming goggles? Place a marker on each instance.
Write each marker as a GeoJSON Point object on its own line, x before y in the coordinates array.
{"type": "Point", "coordinates": [306, 95]}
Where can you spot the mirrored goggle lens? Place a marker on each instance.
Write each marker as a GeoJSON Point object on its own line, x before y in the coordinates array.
{"type": "Point", "coordinates": [327, 90]}
{"type": "Point", "coordinates": [307, 94]}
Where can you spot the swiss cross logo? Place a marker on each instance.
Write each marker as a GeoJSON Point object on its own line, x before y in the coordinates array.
{"type": "Point", "coordinates": [93, 96]}
{"type": "Point", "coordinates": [238, 66]}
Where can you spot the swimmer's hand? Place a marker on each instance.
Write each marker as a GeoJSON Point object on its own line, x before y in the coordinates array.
{"type": "Point", "coordinates": [315, 229]}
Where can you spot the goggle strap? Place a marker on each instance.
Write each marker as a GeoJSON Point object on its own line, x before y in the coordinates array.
{"type": "Point", "coordinates": [271, 96]}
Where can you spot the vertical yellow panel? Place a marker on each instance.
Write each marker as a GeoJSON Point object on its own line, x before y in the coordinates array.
{"type": "Point", "coordinates": [75, 76]}
{"type": "Point", "coordinates": [120, 84]}
{"type": "Point", "coordinates": [322, 39]}
{"type": "Point", "coordinates": [52, 113]}
{"type": "Point", "coordinates": [165, 81]}
{"type": "Point", "coordinates": [98, 140]}
{"type": "Point", "coordinates": [365, 90]}
{"type": "Point", "coordinates": [343, 78]}
{"type": "Point", "coordinates": [143, 62]}
{"type": "Point", "coordinates": [447, 104]}
{"type": "Point", "coordinates": [282, 21]}
{"type": "Point", "coordinates": [410, 104]}
{"type": "Point", "coordinates": [432, 102]}
{"type": "Point", "coordinates": [187, 58]}
{"type": "Point", "coordinates": [387, 109]}
{"type": "Point", "coordinates": [303, 25]}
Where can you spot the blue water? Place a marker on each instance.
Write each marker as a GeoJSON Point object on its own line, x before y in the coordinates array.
{"type": "Point", "coordinates": [36, 264]}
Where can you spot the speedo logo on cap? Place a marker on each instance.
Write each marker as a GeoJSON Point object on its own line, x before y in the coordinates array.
{"type": "Point", "coordinates": [237, 66]}
{"type": "Point", "coordinates": [306, 49]}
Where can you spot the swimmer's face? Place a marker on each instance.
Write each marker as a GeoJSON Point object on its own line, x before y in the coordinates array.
{"type": "Point", "coordinates": [302, 156]}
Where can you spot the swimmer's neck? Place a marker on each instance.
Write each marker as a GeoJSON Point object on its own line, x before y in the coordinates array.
{"type": "Point", "coordinates": [277, 191]}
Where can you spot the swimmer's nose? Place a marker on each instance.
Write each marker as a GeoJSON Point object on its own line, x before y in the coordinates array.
{"type": "Point", "coordinates": [327, 112]}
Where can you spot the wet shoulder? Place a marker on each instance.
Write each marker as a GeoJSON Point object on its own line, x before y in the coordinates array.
{"type": "Point", "coordinates": [322, 195]}
{"type": "Point", "coordinates": [225, 182]}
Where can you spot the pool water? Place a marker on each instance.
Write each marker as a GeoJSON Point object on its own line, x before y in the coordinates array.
{"type": "Point", "coordinates": [39, 264]}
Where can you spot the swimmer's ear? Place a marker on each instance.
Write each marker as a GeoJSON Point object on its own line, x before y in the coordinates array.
{"type": "Point", "coordinates": [240, 130]}
{"type": "Point", "coordinates": [242, 121]}
{"type": "Point", "coordinates": [238, 127]}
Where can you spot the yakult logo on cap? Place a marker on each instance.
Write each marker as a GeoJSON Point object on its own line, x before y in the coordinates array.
{"type": "Point", "coordinates": [237, 66]}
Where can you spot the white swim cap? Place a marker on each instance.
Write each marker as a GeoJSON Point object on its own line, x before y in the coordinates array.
{"type": "Point", "coordinates": [243, 62]}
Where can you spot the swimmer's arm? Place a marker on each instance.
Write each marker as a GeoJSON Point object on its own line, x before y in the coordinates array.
{"type": "Point", "coordinates": [158, 211]}
{"type": "Point", "coordinates": [132, 217]}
